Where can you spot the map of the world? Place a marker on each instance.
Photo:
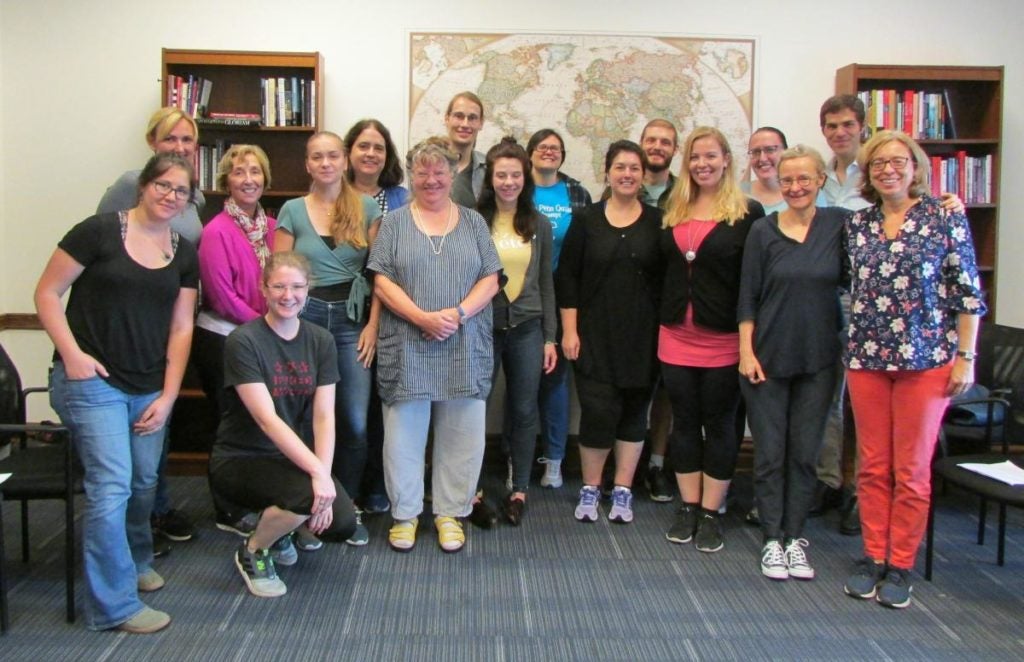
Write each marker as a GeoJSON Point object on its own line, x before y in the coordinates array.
{"type": "Point", "coordinates": [592, 89]}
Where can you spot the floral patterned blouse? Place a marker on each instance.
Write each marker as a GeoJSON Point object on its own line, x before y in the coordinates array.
{"type": "Point", "coordinates": [907, 292]}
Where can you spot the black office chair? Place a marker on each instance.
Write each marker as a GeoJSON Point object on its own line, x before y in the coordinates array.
{"type": "Point", "coordinates": [42, 465]}
{"type": "Point", "coordinates": [985, 426]}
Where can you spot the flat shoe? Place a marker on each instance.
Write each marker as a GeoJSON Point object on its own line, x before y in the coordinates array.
{"type": "Point", "coordinates": [450, 535]}
{"type": "Point", "coordinates": [514, 510]}
{"type": "Point", "coordinates": [150, 581]}
{"type": "Point", "coordinates": [146, 621]}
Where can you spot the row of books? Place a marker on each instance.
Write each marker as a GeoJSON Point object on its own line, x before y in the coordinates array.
{"type": "Point", "coordinates": [206, 159]}
{"type": "Point", "coordinates": [288, 101]}
{"type": "Point", "coordinates": [921, 115]}
{"type": "Point", "coordinates": [970, 177]}
{"type": "Point", "coordinates": [284, 101]}
{"type": "Point", "coordinates": [190, 93]}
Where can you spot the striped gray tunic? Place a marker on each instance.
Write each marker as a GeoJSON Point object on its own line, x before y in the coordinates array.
{"type": "Point", "coordinates": [408, 366]}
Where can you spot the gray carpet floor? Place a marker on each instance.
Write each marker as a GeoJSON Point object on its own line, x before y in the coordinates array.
{"type": "Point", "coordinates": [552, 589]}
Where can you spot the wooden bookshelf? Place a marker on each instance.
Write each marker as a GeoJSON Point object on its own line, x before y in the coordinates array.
{"type": "Point", "coordinates": [236, 77]}
{"type": "Point", "coordinates": [975, 97]}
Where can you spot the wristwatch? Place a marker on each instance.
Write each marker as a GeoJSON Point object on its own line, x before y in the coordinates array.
{"type": "Point", "coordinates": [966, 355]}
{"type": "Point", "coordinates": [462, 313]}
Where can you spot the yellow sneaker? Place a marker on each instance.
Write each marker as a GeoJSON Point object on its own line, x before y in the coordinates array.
{"type": "Point", "coordinates": [402, 535]}
{"type": "Point", "coordinates": [449, 533]}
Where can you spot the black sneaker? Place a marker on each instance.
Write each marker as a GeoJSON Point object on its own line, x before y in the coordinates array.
{"type": "Point", "coordinates": [161, 548]}
{"type": "Point", "coordinates": [895, 589]}
{"type": "Point", "coordinates": [172, 525]}
{"type": "Point", "coordinates": [658, 486]}
{"type": "Point", "coordinates": [684, 526]}
{"type": "Point", "coordinates": [863, 583]}
{"type": "Point", "coordinates": [849, 516]}
{"type": "Point", "coordinates": [825, 499]}
{"type": "Point", "coordinates": [242, 527]}
{"type": "Point", "coordinates": [257, 569]}
{"type": "Point", "coordinates": [709, 533]}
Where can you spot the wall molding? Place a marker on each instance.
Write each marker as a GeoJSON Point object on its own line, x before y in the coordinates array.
{"type": "Point", "coordinates": [20, 322]}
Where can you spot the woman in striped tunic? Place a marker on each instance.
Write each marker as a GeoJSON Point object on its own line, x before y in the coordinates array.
{"type": "Point", "coordinates": [436, 273]}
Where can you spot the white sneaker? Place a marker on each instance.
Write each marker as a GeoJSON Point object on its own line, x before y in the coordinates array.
{"type": "Point", "coordinates": [796, 560]}
{"type": "Point", "coordinates": [773, 561]}
{"type": "Point", "coordinates": [552, 473]}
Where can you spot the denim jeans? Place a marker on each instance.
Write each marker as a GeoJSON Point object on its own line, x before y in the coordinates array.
{"type": "Point", "coordinates": [352, 397]}
{"type": "Point", "coordinates": [520, 349]}
{"type": "Point", "coordinates": [120, 481]}
{"type": "Point", "coordinates": [554, 408]}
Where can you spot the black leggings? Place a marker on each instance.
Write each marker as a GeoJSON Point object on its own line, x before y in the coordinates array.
{"type": "Point", "coordinates": [705, 402]}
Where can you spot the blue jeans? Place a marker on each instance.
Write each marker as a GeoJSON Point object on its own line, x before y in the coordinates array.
{"type": "Point", "coordinates": [554, 408]}
{"type": "Point", "coordinates": [352, 397]}
{"type": "Point", "coordinates": [521, 350]}
{"type": "Point", "coordinates": [120, 480]}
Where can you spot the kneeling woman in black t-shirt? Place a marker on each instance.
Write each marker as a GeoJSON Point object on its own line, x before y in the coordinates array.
{"type": "Point", "coordinates": [280, 374]}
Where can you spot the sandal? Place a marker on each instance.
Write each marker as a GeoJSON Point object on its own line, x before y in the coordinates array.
{"type": "Point", "coordinates": [449, 533]}
{"type": "Point", "coordinates": [402, 535]}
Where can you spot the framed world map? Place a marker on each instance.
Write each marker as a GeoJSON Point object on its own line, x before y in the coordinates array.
{"type": "Point", "coordinates": [591, 88]}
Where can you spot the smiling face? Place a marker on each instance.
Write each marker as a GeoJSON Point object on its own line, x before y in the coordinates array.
{"type": "Point", "coordinates": [431, 181]}
{"type": "Point", "coordinates": [548, 155]}
{"type": "Point", "coordinates": [368, 155]}
{"type": "Point", "coordinates": [842, 131]}
{"type": "Point", "coordinates": [245, 182]}
{"type": "Point", "coordinates": [325, 159]}
{"type": "Point", "coordinates": [764, 149]}
{"type": "Point", "coordinates": [625, 174]}
{"type": "Point", "coordinates": [508, 180]}
{"type": "Point", "coordinates": [800, 182]}
{"type": "Point", "coordinates": [464, 121]}
{"type": "Point", "coordinates": [165, 196]}
{"type": "Point", "coordinates": [181, 140]}
{"type": "Point", "coordinates": [707, 163]}
{"type": "Point", "coordinates": [890, 182]}
{"type": "Point", "coordinates": [285, 290]}
{"type": "Point", "coordinates": [659, 145]}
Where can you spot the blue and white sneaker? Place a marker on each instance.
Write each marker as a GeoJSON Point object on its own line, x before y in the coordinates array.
{"type": "Point", "coordinates": [586, 509]}
{"type": "Point", "coordinates": [622, 505]}
{"type": "Point", "coordinates": [283, 551]}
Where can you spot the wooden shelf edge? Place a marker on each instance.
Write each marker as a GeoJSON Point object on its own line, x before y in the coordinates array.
{"type": "Point", "coordinates": [205, 58]}
{"type": "Point", "coordinates": [21, 321]}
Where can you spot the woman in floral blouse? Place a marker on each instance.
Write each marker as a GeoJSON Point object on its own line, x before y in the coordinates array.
{"type": "Point", "coordinates": [916, 306]}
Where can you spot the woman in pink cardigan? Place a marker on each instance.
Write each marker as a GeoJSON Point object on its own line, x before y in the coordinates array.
{"type": "Point", "coordinates": [233, 249]}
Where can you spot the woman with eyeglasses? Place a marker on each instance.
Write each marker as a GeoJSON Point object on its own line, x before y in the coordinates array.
{"type": "Point", "coordinates": [275, 442]}
{"type": "Point", "coordinates": [170, 131]}
{"type": "Point", "coordinates": [788, 314]}
{"type": "Point", "coordinates": [916, 302]}
{"type": "Point", "coordinates": [764, 149]}
{"type": "Point", "coordinates": [557, 196]}
{"type": "Point", "coordinates": [133, 284]}
{"type": "Point", "coordinates": [333, 227]}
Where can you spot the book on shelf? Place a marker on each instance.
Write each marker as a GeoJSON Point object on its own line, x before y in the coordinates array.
{"type": "Point", "coordinates": [288, 101]}
{"type": "Point", "coordinates": [921, 114]}
{"type": "Point", "coordinates": [969, 177]}
{"type": "Point", "coordinates": [228, 121]}
{"type": "Point", "coordinates": [189, 93]}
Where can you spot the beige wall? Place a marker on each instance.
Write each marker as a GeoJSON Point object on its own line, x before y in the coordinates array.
{"type": "Point", "coordinates": [79, 78]}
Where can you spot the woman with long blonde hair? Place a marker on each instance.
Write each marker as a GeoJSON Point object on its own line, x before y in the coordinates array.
{"type": "Point", "coordinates": [333, 227]}
{"type": "Point", "coordinates": [707, 222]}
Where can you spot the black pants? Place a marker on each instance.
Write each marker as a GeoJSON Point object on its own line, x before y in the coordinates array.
{"type": "Point", "coordinates": [704, 435]}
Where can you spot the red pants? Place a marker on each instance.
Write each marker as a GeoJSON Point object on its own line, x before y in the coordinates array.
{"type": "Point", "coordinates": [898, 415]}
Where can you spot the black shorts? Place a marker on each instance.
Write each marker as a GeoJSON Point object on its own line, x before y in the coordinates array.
{"type": "Point", "coordinates": [608, 413]}
{"type": "Point", "coordinates": [258, 482]}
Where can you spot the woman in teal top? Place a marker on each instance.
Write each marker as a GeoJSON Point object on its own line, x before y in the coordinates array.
{"type": "Point", "coordinates": [333, 227]}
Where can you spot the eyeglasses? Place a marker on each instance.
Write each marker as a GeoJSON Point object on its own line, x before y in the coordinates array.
{"type": "Point", "coordinates": [472, 118]}
{"type": "Point", "coordinates": [803, 180]}
{"type": "Point", "coordinates": [281, 288]}
{"type": "Point", "coordinates": [163, 188]}
{"type": "Point", "coordinates": [897, 162]}
{"type": "Point", "coordinates": [550, 149]}
{"type": "Point", "coordinates": [767, 151]}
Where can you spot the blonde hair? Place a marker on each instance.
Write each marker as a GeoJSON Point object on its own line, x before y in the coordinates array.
{"type": "Point", "coordinates": [803, 152]}
{"type": "Point", "coordinates": [236, 152]}
{"type": "Point", "coordinates": [289, 259]}
{"type": "Point", "coordinates": [348, 225]}
{"type": "Point", "coordinates": [163, 122]}
{"type": "Point", "coordinates": [730, 204]}
{"type": "Point", "coordinates": [919, 183]}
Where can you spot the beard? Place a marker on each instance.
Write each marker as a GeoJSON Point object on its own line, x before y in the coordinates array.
{"type": "Point", "coordinates": [658, 167]}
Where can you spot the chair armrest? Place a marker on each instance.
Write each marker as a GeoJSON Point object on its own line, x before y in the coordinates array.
{"type": "Point", "coordinates": [11, 428]}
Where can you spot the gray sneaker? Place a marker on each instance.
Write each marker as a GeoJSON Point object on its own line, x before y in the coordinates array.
{"type": "Point", "coordinates": [863, 583]}
{"type": "Point", "coordinates": [257, 569]}
{"type": "Point", "coordinates": [242, 527]}
{"type": "Point", "coordinates": [895, 589]}
{"type": "Point", "coordinates": [360, 536]}
{"type": "Point", "coordinates": [283, 551]}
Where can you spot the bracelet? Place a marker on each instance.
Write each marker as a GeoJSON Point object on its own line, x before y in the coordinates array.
{"type": "Point", "coordinates": [462, 313]}
{"type": "Point", "coordinates": [966, 355]}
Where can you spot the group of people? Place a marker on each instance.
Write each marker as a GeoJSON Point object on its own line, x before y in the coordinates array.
{"type": "Point", "coordinates": [718, 295]}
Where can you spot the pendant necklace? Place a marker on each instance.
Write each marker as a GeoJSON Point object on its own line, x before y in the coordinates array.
{"type": "Point", "coordinates": [691, 251]}
{"type": "Point", "coordinates": [436, 249]}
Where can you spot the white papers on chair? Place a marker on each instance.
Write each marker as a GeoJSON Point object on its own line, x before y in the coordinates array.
{"type": "Point", "coordinates": [1006, 472]}
{"type": "Point", "coordinates": [4, 477]}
